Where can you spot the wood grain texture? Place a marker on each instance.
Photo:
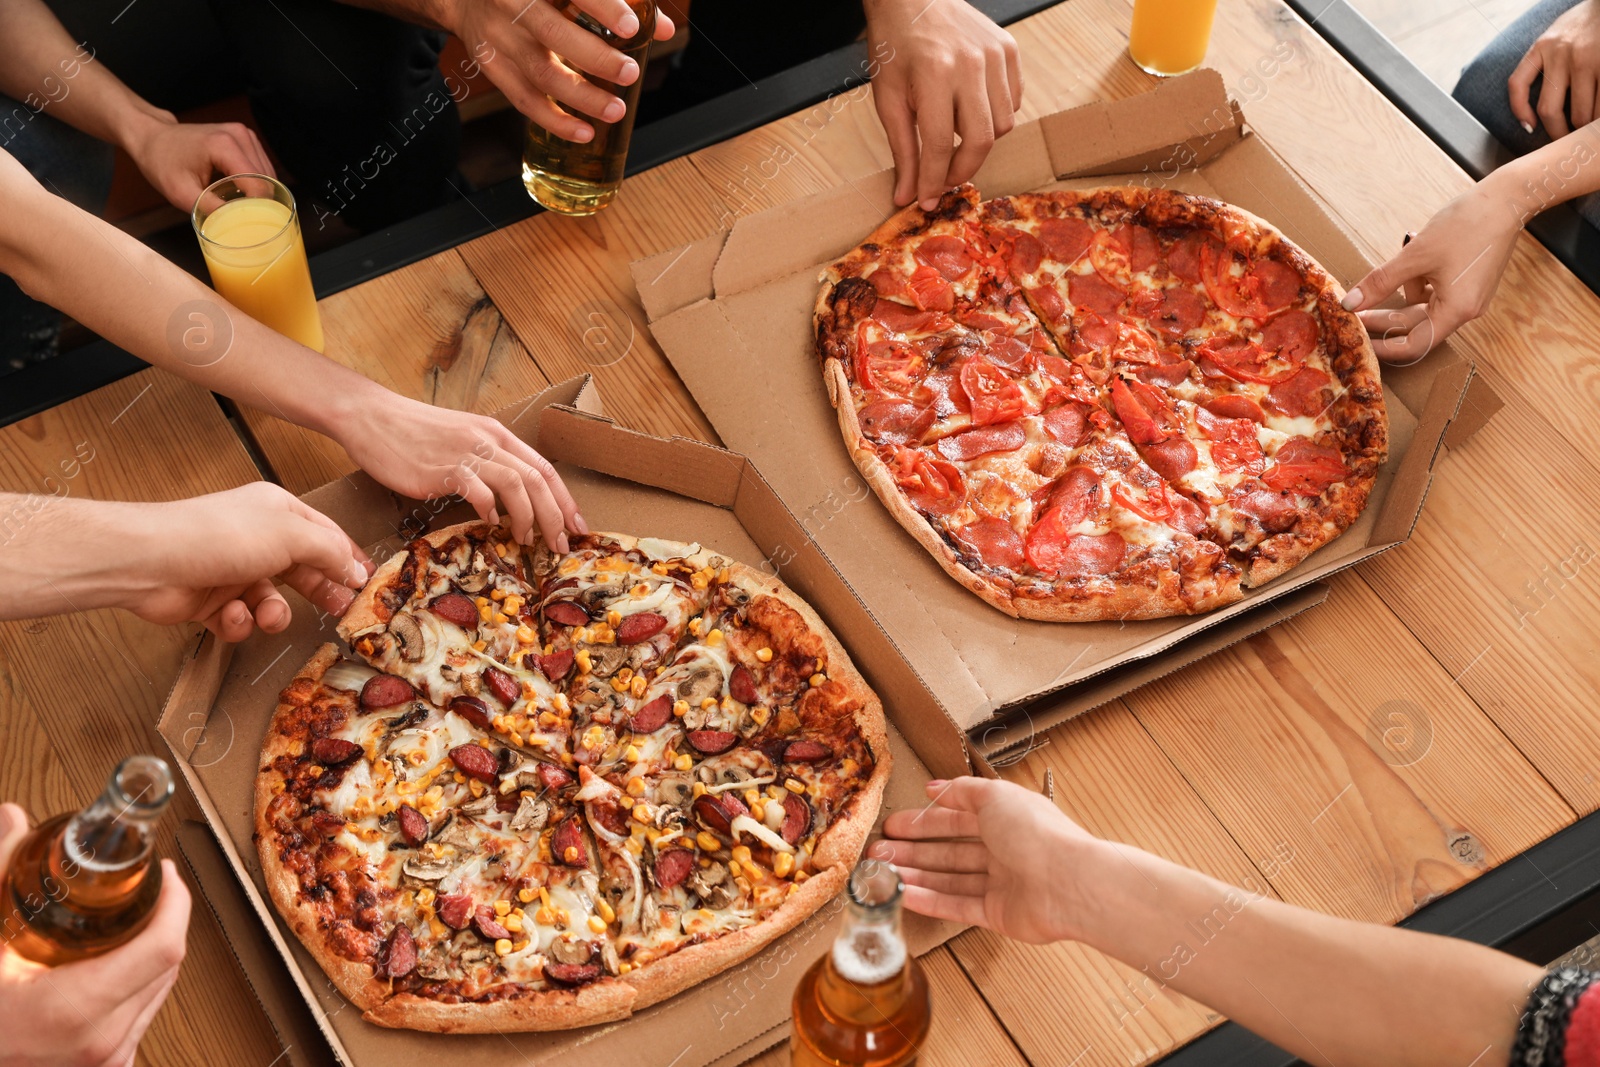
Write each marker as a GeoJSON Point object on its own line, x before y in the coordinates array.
{"type": "Point", "coordinates": [964, 1030]}
{"type": "Point", "coordinates": [563, 285]}
{"type": "Point", "coordinates": [426, 331]}
{"type": "Point", "coordinates": [147, 437]}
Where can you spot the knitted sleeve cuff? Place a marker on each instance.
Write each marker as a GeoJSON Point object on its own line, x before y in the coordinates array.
{"type": "Point", "coordinates": [1547, 1024]}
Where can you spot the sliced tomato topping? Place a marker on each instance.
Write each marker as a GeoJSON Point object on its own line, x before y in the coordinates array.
{"type": "Point", "coordinates": [1243, 361]}
{"type": "Point", "coordinates": [933, 485]}
{"type": "Point", "coordinates": [1065, 239]}
{"type": "Point", "coordinates": [1001, 437]}
{"type": "Point", "coordinates": [930, 291]}
{"type": "Point", "coordinates": [1234, 406]}
{"type": "Point", "coordinates": [1302, 466]}
{"type": "Point", "coordinates": [1161, 504]}
{"type": "Point", "coordinates": [1096, 333]}
{"type": "Point", "coordinates": [1185, 255]}
{"type": "Point", "coordinates": [1055, 552]}
{"type": "Point", "coordinates": [1248, 290]}
{"type": "Point", "coordinates": [895, 422]}
{"type": "Point", "coordinates": [946, 254]}
{"type": "Point", "coordinates": [1305, 393]}
{"type": "Point", "coordinates": [994, 542]}
{"type": "Point", "coordinates": [889, 366]}
{"type": "Point", "coordinates": [1094, 293]}
{"type": "Point", "coordinates": [1292, 335]}
{"type": "Point", "coordinates": [1144, 411]}
{"type": "Point", "coordinates": [994, 397]}
{"type": "Point", "coordinates": [1234, 445]}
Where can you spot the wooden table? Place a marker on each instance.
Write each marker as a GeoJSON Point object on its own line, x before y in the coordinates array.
{"type": "Point", "coordinates": [1254, 765]}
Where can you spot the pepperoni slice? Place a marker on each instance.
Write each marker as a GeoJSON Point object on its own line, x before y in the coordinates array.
{"type": "Point", "coordinates": [932, 485]}
{"type": "Point", "coordinates": [1026, 253]}
{"type": "Point", "coordinates": [455, 910]}
{"type": "Point", "coordinates": [1161, 504]}
{"type": "Point", "coordinates": [502, 685]}
{"type": "Point", "coordinates": [673, 866]}
{"type": "Point", "coordinates": [902, 319]}
{"type": "Point", "coordinates": [712, 742]}
{"type": "Point", "coordinates": [553, 777]}
{"type": "Point", "coordinates": [333, 751]}
{"type": "Point", "coordinates": [1274, 511]}
{"type": "Point", "coordinates": [946, 254]}
{"type": "Point", "coordinates": [475, 761]}
{"type": "Point", "coordinates": [1275, 282]}
{"type": "Point", "coordinates": [1067, 424]}
{"type": "Point", "coordinates": [413, 825]}
{"type": "Point", "coordinates": [1053, 551]}
{"type": "Point", "coordinates": [993, 541]}
{"type": "Point", "coordinates": [1305, 467]}
{"type": "Point", "coordinates": [566, 844]}
{"type": "Point", "coordinates": [1002, 437]}
{"type": "Point", "coordinates": [888, 282]}
{"type": "Point", "coordinates": [473, 710]}
{"type": "Point", "coordinates": [1306, 393]}
{"type": "Point", "coordinates": [556, 665]}
{"type": "Point", "coordinates": [1096, 333]}
{"type": "Point", "coordinates": [385, 691]}
{"type": "Point", "coordinates": [399, 953]}
{"type": "Point", "coordinates": [1172, 458]}
{"type": "Point", "coordinates": [742, 685]}
{"type": "Point", "coordinates": [1261, 288]}
{"type": "Point", "coordinates": [453, 607]}
{"type": "Point", "coordinates": [1051, 307]}
{"type": "Point", "coordinates": [641, 626]}
{"type": "Point", "coordinates": [1292, 335]}
{"type": "Point", "coordinates": [1144, 411]}
{"type": "Point", "coordinates": [571, 974]}
{"type": "Point", "coordinates": [895, 422]}
{"type": "Point", "coordinates": [1171, 312]}
{"type": "Point", "coordinates": [806, 752]}
{"type": "Point", "coordinates": [1233, 406]}
{"type": "Point", "coordinates": [796, 818]}
{"type": "Point", "coordinates": [1185, 255]}
{"type": "Point", "coordinates": [653, 716]}
{"type": "Point", "coordinates": [1065, 239]}
{"type": "Point", "coordinates": [1076, 496]}
{"type": "Point", "coordinates": [1234, 444]}
{"type": "Point", "coordinates": [1095, 293]}
{"type": "Point", "coordinates": [1164, 373]}
{"type": "Point", "coordinates": [566, 613]}
{"type": "Point", "coordinates": [929, 291]}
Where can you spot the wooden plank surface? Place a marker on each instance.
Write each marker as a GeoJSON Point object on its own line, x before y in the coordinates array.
{"type": "Point", "coordinates": [64, 727]}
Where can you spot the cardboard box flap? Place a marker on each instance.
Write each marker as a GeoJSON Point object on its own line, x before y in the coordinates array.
{"type": "Point", "coordinates": [1453, 375]}
{"type": "Point", "coordinates": [677, 277]}
{"type": "Point", "coordinates": [688, 468]}
{"type": "Point", "coordinates": [1183, 123]}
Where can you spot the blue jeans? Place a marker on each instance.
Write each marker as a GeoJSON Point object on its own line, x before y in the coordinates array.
{"type": "Point", "coordinates": [1482, 88]}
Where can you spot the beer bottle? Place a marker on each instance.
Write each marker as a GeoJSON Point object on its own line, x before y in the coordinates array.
{"type": "Point", "coordinates": [81, 884]}
{"type": "Point", "coordinates": [580, 179]}
{"type": "Point", "coordinates": [864, 1004]}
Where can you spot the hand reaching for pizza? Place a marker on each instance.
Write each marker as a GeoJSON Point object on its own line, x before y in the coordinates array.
{"type": "Point", "coordinates": [944, 69]}
{"type": "Point", "coordinates": [1447, 273]}
{"type": "Point", "coordinates": [95, 1010]}
{"type": "Point", "coordinates": [989, 853]}
{"type": "Point", "coordinates": [537, 53]}
{"type": "Point", "coordinates": [425, 451]}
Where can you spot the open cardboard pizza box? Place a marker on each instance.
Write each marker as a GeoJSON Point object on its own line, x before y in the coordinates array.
{"type": "Point", "coordinates": [217, 714]}
{"type": "Point", "coordinates": [733, 312]}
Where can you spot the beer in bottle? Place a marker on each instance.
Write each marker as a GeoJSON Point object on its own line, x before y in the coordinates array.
{"type": "Point", "coordinates": [580, 179]}
{"type": "Point", "coordinates": [864, 1004]}
{"type": "Point", "coordinates": [80, 885]}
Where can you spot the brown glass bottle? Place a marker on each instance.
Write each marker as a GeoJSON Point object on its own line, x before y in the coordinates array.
{"type": "Point", "coordinates": [864, 1004]}
{"type": "Point", "coordinates": [80, 885]}
{"type": "Point", "coordinates": [576, 178]}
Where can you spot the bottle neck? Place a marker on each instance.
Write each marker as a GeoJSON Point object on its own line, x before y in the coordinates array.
{"type": "Point", "coordinates": [117, 832]}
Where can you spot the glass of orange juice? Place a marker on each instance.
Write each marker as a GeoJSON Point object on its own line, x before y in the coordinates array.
{"type": "Point", "coordinates": [250, 234]}
{"type": "Point", "coordinates": [1170, 36]}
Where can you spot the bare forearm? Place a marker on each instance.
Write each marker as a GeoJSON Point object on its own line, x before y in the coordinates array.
{"type": "Point", "coordinates": [1560, 171]}
{"type": "Point", "coordinates": [62, 555]}
{"type": "Point", "coordinates": [1330, 990]}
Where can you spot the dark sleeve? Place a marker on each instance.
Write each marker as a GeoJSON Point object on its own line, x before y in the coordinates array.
{"type": "Point", "coordinates": [1560, 1026]}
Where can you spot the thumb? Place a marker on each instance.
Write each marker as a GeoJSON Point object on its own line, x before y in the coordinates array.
{"type": "Point", "coordinates": [13, 827]}
{"type": "Point", "coordinates": [1380, 283]}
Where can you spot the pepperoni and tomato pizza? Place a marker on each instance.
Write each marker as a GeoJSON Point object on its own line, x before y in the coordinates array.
{"type": "Point", "coordinates": [550, 790]}
{"type": "Point", "coordinates": [1118, 403]}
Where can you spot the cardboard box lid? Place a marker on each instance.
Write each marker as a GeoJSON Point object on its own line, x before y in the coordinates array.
{"type": "Point", "coordinates": [219, 709]}
{"type": "Point", "coordinates": [750, 305]}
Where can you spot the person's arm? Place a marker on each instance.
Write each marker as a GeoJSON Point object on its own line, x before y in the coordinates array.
{"type": "Point", "coordinates": [940, 68]}
{"type": "Point", "coordinates": [532, 52]}
{"type": "Point", "coordinates": [1567, 56]}
{"type": "Point", "coordinates": [209, 559]}
{"type": "Point", "coordinates": [1329, 990]}
{"type": "Point", "coordinates": [94, 1010]}
{"type": "Point", "coordinates": [134, 298]}
{"type": "Point", "coordinates": [46, 70]}
{"type": "Point", "coordinates": [1450, 270]}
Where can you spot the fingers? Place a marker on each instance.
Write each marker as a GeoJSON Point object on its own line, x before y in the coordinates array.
{"type": "Point", "coordinates": [230, 151]}
{"type": "Point", "coordinates": [13, 825]}
{"type": "Point", "coordinates": [1583, 92]}
{"type": "Point", "coordinates": [1552, 107]}
{"type": "Point", "coordinates": [158, 948]}
{"type": "Point", "coordinates": [936, 905]}
{"type": "Point", "coordinates": [267, 606]}
{"type": "Point", "coordinates": [958, 885]}
{"type": "Point", "coordinates": [143, 1009]}
{"type": "Point", "coordinates": [894, 111]}
{"type": "Point", "coordinates": [927, 823]}
{"type": "Point", "coordinates": [968, 857]}
{"type": "Point", "coordinates": [513, 493]}
{"type": "Point", "coordinates": [614, 15]}
{"type": "Point", "coordinates": [936, 127]}
{"type": "Point", "coordinates": [322, 592]}
{"type": "Point", "coordinates": [317, 541]}
{"type": "Point", "coordinates": [1412, 344]}
{"type": "Point", "coordinates": [232, 622]}
{"type": "Point", "coordinates": [534, 105]}
{"type": "Point", "coordinates": [1013, 58]}
{"type": "Point", "coordinates": [1384, 322]}
{"type": "Point", "coordinates": [1381, 283]}
{"type": "Point", "coordinates": [1002, 99]}
{"type": "Point", "coordinates": [553, 503]}
{"type": "Point", "coordinates": [665, 27]}
{"type": "Point", "coordinates": [472, 489]}
{"type": "Point", "coordinates": [975, 113]}
{"type": "Point", "coordinates": [1520, 88]}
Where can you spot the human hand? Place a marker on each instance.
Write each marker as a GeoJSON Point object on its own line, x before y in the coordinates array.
{"type": "Point", "coordinates": [1448, 273]}
{"type": "Point", "coordinates": [1568, 55]}
{"type": "Point", "coordinates": [425, 451]}
{"type": "Point", "coordinates": [211, 559]}
{"type": "Point", "coordinates": [94, 1011]}
{"type": "Point", "coordinates": [948, 70]}
{"type": "Point", "coordinates": [992, 854]}
{"type": "Point", "coordinates": [180, 158]}
{"type": "Point", "coordinates": [539, 53]}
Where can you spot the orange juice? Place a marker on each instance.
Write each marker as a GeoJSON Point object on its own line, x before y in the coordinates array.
{"type": "Point", "coordinates": [1170, 36]}
{"type": "Point", "coordinates": [257, 259]}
